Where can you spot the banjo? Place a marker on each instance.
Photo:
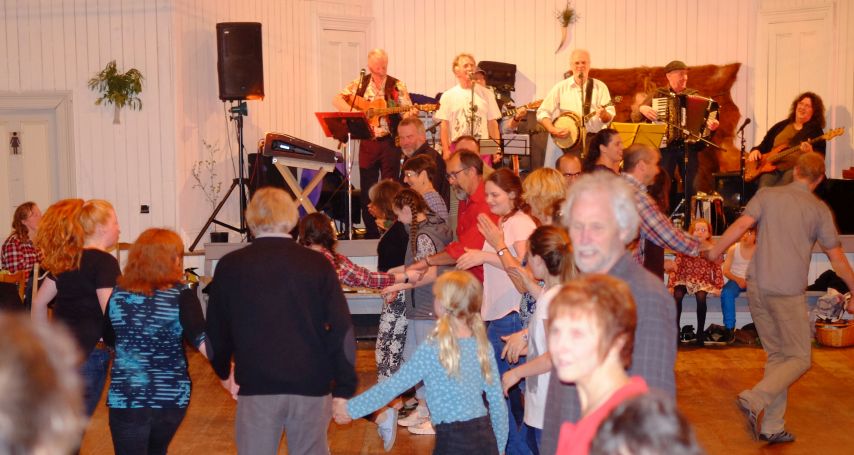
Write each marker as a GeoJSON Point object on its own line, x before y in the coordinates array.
{"type": "Point", "coordinates": [571, 121]}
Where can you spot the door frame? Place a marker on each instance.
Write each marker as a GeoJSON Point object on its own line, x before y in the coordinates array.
{"type": "Point", "coordinates": [60, 102]}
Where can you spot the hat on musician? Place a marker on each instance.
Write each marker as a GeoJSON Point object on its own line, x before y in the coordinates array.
{"type": "Point", "coordinates": [675, 65]}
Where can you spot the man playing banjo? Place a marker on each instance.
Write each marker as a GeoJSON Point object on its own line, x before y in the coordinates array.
{"type": "Point", "coordinates": [562, 109]}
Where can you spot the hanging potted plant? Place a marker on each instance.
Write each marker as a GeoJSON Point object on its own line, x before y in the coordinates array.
{"type": "Point", "coordinates": [207, 180]}
{"type": "Point", "coordinates": [118, 89]}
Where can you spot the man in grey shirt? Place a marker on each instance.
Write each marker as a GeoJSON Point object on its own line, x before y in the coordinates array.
{"type": "Point", "coordinates": [790, 220]}
{"type": "Point", "coordinates": [602, 218]}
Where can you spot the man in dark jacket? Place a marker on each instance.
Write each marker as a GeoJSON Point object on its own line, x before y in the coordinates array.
{"type": "Point", "coordinates": [278, 313]}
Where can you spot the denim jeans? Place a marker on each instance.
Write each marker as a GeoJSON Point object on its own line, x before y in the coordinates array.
{"type": "Point", "coordinates": [94, 374]}
{"type": "Point", "coordinates": [517, 436]}
{"type": "Point", "coordinates": [729, 293]}
{"type": "Point", "coordinates": [144, 431]}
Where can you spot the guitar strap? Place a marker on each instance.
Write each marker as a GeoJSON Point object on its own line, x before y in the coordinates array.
{"type": "Point", "coordinates": [394, 119]}
{"type": "Point", "coordinates": [587, 97]}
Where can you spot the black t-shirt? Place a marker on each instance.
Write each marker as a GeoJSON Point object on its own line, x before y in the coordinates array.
{"type": "Point", "coordinates": [77, 300]}
{"type": "Point", "coordinates": [391, 250]}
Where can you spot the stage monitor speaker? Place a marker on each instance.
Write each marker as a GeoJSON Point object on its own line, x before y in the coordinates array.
{"type": "Point", "coordinates": [239, 61]}
{"type": "Point", "coordinates": [838, 194]}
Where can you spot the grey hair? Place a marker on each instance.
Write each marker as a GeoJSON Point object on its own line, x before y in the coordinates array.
{"type": "Point", "coordinates": [377, 53]}
{"type": "Point", "coordinates": [618, 191]}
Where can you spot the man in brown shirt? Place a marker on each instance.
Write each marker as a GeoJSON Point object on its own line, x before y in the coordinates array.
{"type": "Point", "coordinates": [790, 220]}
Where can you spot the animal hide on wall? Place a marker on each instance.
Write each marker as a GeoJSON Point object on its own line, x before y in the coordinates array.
{"type": "Point", "coordinates": [713, 81]}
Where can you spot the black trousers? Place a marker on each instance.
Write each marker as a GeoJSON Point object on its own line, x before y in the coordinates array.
{"type": "Point", "coordinates": [377, 159]}
{"type": "Point", "coordinates": [144, 431]}
{"type": "Point", "coordinates": [469, 437]}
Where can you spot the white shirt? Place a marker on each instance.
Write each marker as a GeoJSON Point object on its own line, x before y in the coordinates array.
{"type": "Point", "coordinates": [566, 96]}
{"type": "Point", "coordinates": [536, 387]}
{"type": "Point", "coordinates": [500, 297]}
{"type": "Point", "coordinates": [455, 107]}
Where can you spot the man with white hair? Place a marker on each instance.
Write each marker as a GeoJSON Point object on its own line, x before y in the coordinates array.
{"type": "Point", "coordinates": [566, 96]}
{"type": "Point", "coordinates": [277, 311]}
{"type": "Point", "coordinates": [602, 219]}
{"type": "Point", "coordinates": [378, 157]}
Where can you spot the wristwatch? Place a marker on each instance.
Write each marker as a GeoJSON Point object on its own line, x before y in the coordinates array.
{"type": "Point", "coordinates": [502, 251]}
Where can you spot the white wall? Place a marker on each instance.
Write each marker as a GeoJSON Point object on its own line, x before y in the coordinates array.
{"type": "Point", "coordinates": [52, 45]}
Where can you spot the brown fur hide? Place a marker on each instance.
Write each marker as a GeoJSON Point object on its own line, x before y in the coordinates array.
{"type": "Point", "coordinates": [713, 81]}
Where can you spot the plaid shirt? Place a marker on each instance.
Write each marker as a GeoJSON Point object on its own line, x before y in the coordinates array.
{"type": "Point", "coordinates": [657, 228]}
{"type": "Point", "coordinates": [19, 255]}
{"type": "Point", "coordinates": [356, 276]}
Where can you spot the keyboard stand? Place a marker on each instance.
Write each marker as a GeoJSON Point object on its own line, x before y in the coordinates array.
{"type": "Point", "coordinates": [282, 164]}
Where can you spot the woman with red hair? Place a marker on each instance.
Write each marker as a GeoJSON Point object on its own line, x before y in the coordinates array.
{"type": "Point", "coordinates": [150, 309]}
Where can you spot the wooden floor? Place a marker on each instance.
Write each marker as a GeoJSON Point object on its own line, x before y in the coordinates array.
{"type": "Point", "coordinates": [821, 408]}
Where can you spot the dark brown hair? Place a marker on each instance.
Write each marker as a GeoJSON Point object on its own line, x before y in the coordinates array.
{"type": "Point", "coordinates": [603, 137]}
{"type": "Point", "coordinates": [382, 195]}
{"type": "Point", "coordinates": [817, 118]}
{"type": "Point", "coordinates": [22, 213]}
{"type": "Point", "coordinates": [416, 203]}
{"type": "Point", "coordinates": [421, 163]}
{"type": "Point", "coordinates": [553, 245]}
{"type": "Point", "coordinates": [316, 229]}
{"type": "Point", "coordinates": [510, 183]}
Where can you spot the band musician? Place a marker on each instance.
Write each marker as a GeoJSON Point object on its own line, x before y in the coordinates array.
{"type": "Point", "coordinates": [805, 121]}
{"type": "Point", "coordinates": [564, 102]}
{"type": "Point", "coordinates": [676, 73]}
{"type": "Point", "coordinates": [378, 157]}
{"type": "Point", "coordinates": [467, 108]}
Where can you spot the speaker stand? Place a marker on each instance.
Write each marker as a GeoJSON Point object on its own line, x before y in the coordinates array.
{"type": "Point", "coordinates": [237, 114]}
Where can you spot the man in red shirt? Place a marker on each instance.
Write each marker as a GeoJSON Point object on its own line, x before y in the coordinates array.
{"type": "Point", "coordinates": [465, 174]}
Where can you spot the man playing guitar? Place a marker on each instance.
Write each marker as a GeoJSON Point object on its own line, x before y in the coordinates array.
{"type": "Point", "coordinates": [378, 156]}
{"type": "Point", "coordinates": [805, 121]}
{"type": "Point", "coordinates": [566, 97]}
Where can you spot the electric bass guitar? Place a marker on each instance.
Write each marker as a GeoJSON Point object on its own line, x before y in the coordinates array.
{"type": "Point", "coordinates": [768, 163]}
{"type": "Point", "coordinates": [378, 108]}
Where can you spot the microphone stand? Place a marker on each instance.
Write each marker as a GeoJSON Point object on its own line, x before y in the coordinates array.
{"type": "Point", "coordinates": [583, 132]}
{"type": "Point", "coordinates": [472, 106]}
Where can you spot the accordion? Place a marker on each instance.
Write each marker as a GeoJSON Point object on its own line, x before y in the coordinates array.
{"type": "Point", "coordinates": [685, 116]}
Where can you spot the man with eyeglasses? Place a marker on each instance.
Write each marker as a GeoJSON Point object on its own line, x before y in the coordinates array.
{"type": "Point", "coordinates": [640, 166]}
{"type": "Point", "coordinates": [465, 174]}
{"type": "Point", "coordinates": [413, 142]}
{"type": "Point", "coordinates": [569, 165]}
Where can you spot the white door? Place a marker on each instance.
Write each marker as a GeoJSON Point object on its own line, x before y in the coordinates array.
{"type": "Point", "coordinates": [28, 173]}
{"type": "Point", "coordinates": [343, 53]}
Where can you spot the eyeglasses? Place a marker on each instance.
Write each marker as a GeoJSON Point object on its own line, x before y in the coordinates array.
{"type": "Point", "coordinates": [410, 174]}
{"type": "Point", "coordinates": [453, 175]}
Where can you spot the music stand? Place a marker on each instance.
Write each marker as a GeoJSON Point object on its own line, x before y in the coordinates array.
{"type": "Point", "coordinates": [346, 126]}
{"type": "Point", "coordinates": [640, 133]}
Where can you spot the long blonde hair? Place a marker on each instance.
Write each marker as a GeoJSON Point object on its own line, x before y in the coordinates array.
{"type": "Point", "coordinates": [461, 296]}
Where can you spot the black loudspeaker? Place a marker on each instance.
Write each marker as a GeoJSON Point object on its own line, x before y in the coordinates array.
{"type": "Point", "coordinates": [838, 195]}
{"type": "Point", "coordinates": [729, 186]}
{"type": "Point", "coordinates": [500, 75]}
{"type": "Point", "coordinates": [239, 61]}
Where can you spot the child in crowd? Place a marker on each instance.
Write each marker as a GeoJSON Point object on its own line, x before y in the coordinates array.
{"type": "Point", "coordinates": [457, 366]}
{"type": "Point", "coordinates": [734, 269]}
{"type": "Point", "coordinates": [695, 275]}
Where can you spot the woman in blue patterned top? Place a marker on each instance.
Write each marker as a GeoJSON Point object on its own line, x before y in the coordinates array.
{"type": "Point", "coordinates": [150, 309]}
{"type": "Point", "coordinates": [457, 366]}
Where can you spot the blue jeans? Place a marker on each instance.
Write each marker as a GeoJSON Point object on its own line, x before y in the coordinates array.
{"type": "Point", "coordinates": [144, 431]}
{"type": "Point", "coordinates": [517, 437]}
{"type": "Point", "coordinates": [729, 293]}
{"type": "Point", "coordinates": [94, 374]}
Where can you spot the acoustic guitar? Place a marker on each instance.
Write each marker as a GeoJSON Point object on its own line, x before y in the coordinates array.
{"type": "Point", "coordinates": [768, 163]}
{"type": "Point", "coordinates": [378, 108]}
{"type": "Point", "coordinates": [510, 112]}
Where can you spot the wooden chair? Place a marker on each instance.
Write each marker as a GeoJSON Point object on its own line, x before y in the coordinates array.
{"type": "Point", "coordinates": [18, 278]}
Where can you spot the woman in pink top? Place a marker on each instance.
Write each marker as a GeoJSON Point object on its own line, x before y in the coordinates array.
{"type": "Point", "coordinates": [591, 336]}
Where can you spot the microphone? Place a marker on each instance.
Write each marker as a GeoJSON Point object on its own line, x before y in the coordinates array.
{"type": "Point", "coordinates": [741, 128]}
{"type": "Point", "coordinates": [362, 74]}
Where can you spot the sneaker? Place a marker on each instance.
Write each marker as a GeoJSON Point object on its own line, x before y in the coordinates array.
{"type": "Point", "coordinates": [388, 429]}
{"type": "Point", "coordinates": [424, 427]}
{"type": "Point", "coordinates": [777, 438]}
{"type": "Point", "coordinates": [414, 418]}
{"type": "Point", "coordinates": [687, 334]}
{"type": "Point", "coordinates": [753, 419]}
